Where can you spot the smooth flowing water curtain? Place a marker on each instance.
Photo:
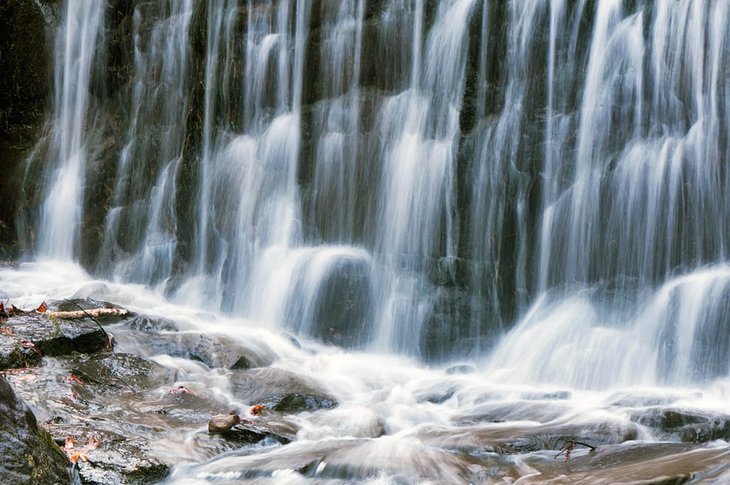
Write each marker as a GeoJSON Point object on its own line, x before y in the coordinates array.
{"type": "Point", "coordinates": [408, 176]}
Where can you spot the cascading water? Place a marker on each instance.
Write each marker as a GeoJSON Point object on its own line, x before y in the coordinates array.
{"type": "Point", "coordinates": [534, 188]}
{"type": "Point", "coordinates": [140, 226]}
{"type": "Point", "coordinates": [61, 212]}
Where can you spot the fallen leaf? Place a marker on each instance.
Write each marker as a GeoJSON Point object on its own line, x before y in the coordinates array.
{"type": "Point", "coordinates": [69, 443]}
{"type": "Point", "coordinates": [257, 409]}
{"type": "Point", "coordinates": [73, 378]}
{"type": "Point", "coordinates": [76, 454]}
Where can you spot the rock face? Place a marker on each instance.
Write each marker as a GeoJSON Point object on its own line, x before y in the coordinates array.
{"type": "Point", "coordinates": [33, 335]}
{"type": "Point", "coordinates": [29, 454]}
{"type": "Point", "coordinates": [25, 70]}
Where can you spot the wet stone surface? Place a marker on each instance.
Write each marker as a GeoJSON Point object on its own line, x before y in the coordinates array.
{"type": "Point", "coordinates": [280, 390]}
{"type": "Point", "coordinates": [27, 337]}
{"type": "Point", "coordinates": [214, 350]}
{"type": "Point", "coordinates": [120, 370]}
{"type": "Point", "coordinates": [117, 459]}
{"type": "Point", "coordinates": [14, 355]}
{"type": "Point", "coordinates": [137, 408]}
{"type": "Point", "coordinates": [28, 453]}
{"type": "Point", "coordinates": [687, 425]}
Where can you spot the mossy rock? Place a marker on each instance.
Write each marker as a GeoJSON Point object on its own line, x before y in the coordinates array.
{"type": "Point", "coordinates": [29, 454]}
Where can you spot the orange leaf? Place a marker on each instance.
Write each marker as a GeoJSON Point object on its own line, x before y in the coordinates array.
{"type": "Point", "coordinates": [75, 378]}
{"type": "Point", "coordinates": [74, 456]}
{"type": "Point", "coordinates": [257, 409]}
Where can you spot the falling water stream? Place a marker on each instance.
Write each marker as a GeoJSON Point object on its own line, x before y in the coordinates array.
{"type": "Point", "coordinates": [476, 224]}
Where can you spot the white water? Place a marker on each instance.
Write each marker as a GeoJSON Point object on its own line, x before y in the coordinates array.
{"type": "Point", "coordinates": [148, 168]}
{"type": "Point", "coordinates": [398, 420]}
{"type": "Point", "coordinates": [76, 45]}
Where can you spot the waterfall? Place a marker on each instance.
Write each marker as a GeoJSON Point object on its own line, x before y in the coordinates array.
{"type": "Point", "coordinates": [438, 179]}
{"type": "Point", "coordinates": [140, 227]}
{"type": "Point", "coordinates": [437, 239]}
{"type": "Point", "coordinates": [419, 130]}
{"type": "Point", "coordinates": [61, 210]}
{"type": "Point", "coordinates": [632, 217]}
{"type": "Point", "coordinates": [337, 123]}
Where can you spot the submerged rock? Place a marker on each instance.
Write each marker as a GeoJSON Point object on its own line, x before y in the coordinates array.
{"type": "Point", "coordinates": [147, 323]}
{"type": "Point", "coordinates": [280, 390]}
{"type": "Point", "coordinates": [29, 455]}
{"type": "Point", "coordinates": [689, 425]}
{"type": "Point", "coordinates": [637, 463]}
{"type": "Point", "coordinates": [214, 350]}
{"type": "Point", "coordinates": [461, 369]}
{"type": "Point", "coordinates": [120, 370]}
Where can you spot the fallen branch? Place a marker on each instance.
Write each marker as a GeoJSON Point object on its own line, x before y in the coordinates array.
{"type": "Point", "coordinates": [91, 313]}
{"type": "Point", "coordinates": [108, 311]}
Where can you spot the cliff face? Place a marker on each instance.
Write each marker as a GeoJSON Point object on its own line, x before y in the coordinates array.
{"type": "Point", "coordinates": [25, 73]}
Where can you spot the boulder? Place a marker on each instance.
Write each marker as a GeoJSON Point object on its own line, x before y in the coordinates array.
{"type": "Point", "coordinates": [52, 336]}
{"type": "Point", "coordinates": [29, 454]}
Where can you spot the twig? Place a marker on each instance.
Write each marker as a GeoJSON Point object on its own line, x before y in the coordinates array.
{"type": "Point", "coordinates": [108, 339]}
{"type": "Point", "coordinates": [568, 448]}
{"type": "Point", "coordinates": [593, 448]}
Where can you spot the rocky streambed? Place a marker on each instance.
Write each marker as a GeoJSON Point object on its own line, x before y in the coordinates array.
{"type": "Point", "coordinates": [124, 397]}
{"type": "Point", "coordinates": [82, 385]}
